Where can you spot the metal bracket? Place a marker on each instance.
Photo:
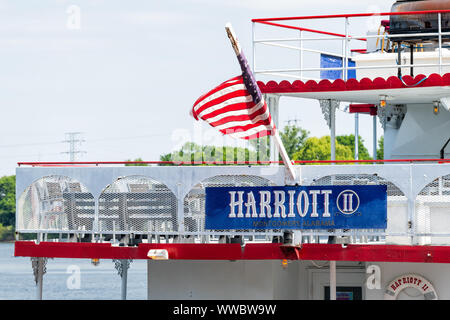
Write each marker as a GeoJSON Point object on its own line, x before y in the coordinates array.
{"type": "Point", "coordinates": [392, 116]}
{"type": "Point", "coordinates": [122, 265]}
{"type": "Point", "coordinates": [326, 105]}
{"type": "Point", "coordinates": [35, 264]}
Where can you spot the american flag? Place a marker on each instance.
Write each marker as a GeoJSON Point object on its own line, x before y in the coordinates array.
{"type": "Point", "coordinates": [236, 107]}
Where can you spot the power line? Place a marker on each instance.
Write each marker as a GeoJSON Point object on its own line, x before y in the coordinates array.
{"type": "Point", "coordinates": [72, 138]}
{"type": "Point", "coordinates": [27, 144]}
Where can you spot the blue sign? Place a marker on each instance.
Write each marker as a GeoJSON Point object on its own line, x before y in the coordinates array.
{"type": "Point", "coordinates": [292, 207]}
{"type": "Point", "coordinates": [328, 61]}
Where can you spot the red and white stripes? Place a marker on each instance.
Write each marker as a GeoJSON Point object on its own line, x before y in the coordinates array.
{"type": "Point", "coordinates": [231, 109]}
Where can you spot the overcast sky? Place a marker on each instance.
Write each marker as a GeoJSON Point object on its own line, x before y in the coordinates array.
{"type": "Point", "coordinates": [126, 73]}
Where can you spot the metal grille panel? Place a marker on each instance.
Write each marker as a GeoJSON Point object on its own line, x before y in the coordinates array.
{"type": "Point", "coordinates": [360, 179]}
{"type": "Point", "coordinates": [394, 195]}
{"type": "Point", "coordinates": [432, 208]}
{"type": "Point", "coordinates": [56, 203]}
{"type": "Point", "coordinates": [137, 204]}
{"type": "Point", "coordinates": [194, 202]}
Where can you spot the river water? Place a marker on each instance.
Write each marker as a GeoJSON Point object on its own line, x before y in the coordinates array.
{"type": "Point", "coordinates": [68, 279]}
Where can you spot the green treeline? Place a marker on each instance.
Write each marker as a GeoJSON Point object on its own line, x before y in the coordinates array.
{"type": "Point", "coordinates": [7, 207]}
{"type": "Point", "coordinates": [297, 142]}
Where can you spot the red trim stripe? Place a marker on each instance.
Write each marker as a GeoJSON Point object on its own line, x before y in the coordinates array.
{"type": "Point", "coordinates": [351, 15]}
{"type": "Point", "coordinates": [262, 251]}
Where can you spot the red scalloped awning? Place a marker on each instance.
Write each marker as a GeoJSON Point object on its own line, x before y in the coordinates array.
{"type": "Point", "coordinates": [433, 80]}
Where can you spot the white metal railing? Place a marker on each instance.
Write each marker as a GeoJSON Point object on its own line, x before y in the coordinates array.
{"type": "Point", "coordinates": [346, 40]}
{"type": "Point", "coordinates": [170, 201]}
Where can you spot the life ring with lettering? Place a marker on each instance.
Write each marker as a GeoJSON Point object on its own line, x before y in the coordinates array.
{"type": "Point", "coordinates": [410, 281]}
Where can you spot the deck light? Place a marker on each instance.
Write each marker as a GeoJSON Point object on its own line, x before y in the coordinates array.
{"type": "Point", "coordinates": [436, 107]}
{"type": "Point", "coordinates": [95, 261]}
{"type": "Point", "coordinates": [383, 101]}
{"type": "Point", "coordinates": [158, 254]}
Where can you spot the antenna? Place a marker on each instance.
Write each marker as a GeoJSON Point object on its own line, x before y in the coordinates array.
{"type": "Point", "coordinates": [295, 121]}
{"type": "Point", "coordinates": [72, 138]}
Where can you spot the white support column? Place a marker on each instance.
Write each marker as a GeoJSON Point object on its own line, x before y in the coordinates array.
{"type": "Point", "coordinates": [122, 266]}
{"type": "Point", "coordinates": [333, 132]}
{"type": "Point", "coordinates": [273, 104]}
{"type": "Point", "coordinates": [375, 142]}
{"type": "Point", "coordinates": [332, 280]}
{"type": "Point", "coordinates": [39, 269]}
{"type": "Point", "coordinates": [329, 112]}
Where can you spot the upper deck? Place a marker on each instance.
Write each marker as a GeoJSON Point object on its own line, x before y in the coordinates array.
{"type": "Point", "coordinates": [352, 57]}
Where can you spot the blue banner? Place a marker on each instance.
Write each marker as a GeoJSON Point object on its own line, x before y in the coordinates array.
{"type": "Point", "coordinates": [328, 61]}
{"type": "Point", "coordinates": [293, 207]}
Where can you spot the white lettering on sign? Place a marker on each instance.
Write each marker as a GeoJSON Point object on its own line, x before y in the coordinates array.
{"type": "Point", "coordinates": [314, 194]}
{"type": "Point", "coordinates": [291, 213]}
{"type": "Point", "coordinates": [374, 278]}
{"type": "Point", "coordinates": [234, 204]}
{"type": "Point", "coordinates": [303, 197]}
{"type": "Point", "coordinates": [279, 205]}
{"type": "Point", "coordinates": [347, 202]}
{"type": "Point", "coordinates": [251, 206]}
{"type": "Point", "coordinates": [326, 206]}
{"type": "Point", "coordinates": [265, 204]}
{"type": "Point", "coordinates": [410, 281]}
{"type": "Point", "coordinates": [283, 206]}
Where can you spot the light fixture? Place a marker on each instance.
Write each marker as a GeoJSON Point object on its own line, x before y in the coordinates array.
{"type": "Point", "coordinates": [158, 254]}
{"type": "Point", "coordinates": [383, 102]}
{"type": "Point", "coordinates": [95, 261]}
{"type": "Point", "coordinates": [436, 107]}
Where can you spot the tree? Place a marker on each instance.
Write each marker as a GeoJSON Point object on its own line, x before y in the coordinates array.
{"type": "Point", "coordinates": [135, 164]}
{"type": "Point", "coordinates": [320, 149]}
{"type": "Point", "coordinates": [349, 141]}
{"type": "Point", "coordinates": [194, 153]}
{"type": "Point", "coordinates": [380, 150]}
{"type": "Point", "coordinates": [8, 200]}
{"type": "Point", "coordinates": [293, 138]}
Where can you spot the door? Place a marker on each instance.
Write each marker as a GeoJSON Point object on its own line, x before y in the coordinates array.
{"type": "Point", "coordinates": [350, 283]}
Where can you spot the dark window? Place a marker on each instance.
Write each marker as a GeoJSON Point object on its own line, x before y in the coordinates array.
{"type": "Point", "coordinates": [345, 293]}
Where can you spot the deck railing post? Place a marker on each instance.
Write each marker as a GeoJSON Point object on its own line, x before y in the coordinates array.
{"type": "Point", "coordinates": [345, 55]}
{"type": "Point", "coordinates": [356, 136]}
{"type": "Point", "coordinates": [440, 42]}
{"type": "Point", "coordinates": [253, 47]}
{"type": "Point", "coordinates": [301, 55]}
{"type": "Point", "coordinates": [180, 209]}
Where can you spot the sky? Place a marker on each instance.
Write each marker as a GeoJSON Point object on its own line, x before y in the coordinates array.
{"type": "Point", "coordinates": [126, 73]}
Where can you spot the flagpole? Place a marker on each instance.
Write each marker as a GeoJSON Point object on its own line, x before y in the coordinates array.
{"type": "Point", "coordinates": [286, 160]}
{"type": "Point", "coordinates": [239, 54]}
